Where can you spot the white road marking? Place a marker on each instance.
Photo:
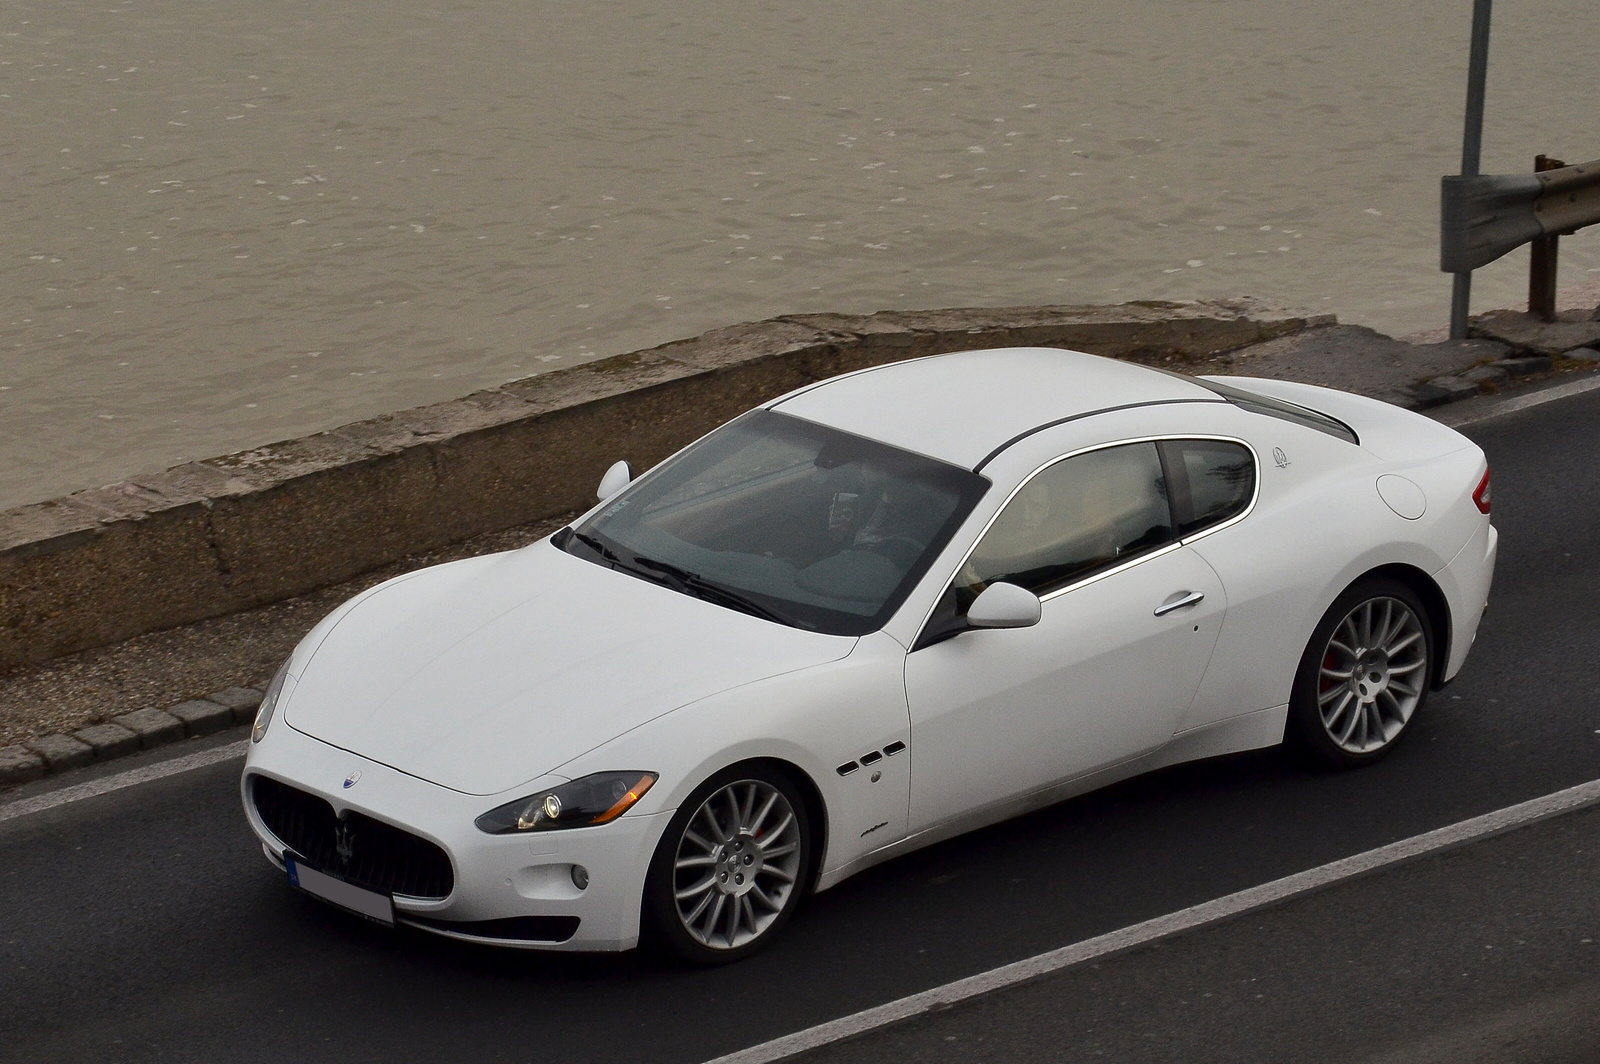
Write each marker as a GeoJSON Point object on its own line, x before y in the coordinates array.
{"type": "Point", "coordinates": [1480, 827]}
{"type": "Point", "coordinates": [131, 778]}
{"type": "Point", "coordinates": [1523, 402]}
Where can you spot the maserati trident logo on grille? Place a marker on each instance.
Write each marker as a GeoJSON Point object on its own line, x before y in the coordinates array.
{"type": "Point", "coordinates": [352, 779]}
{"type": "Point", "coordinates": [343, 843]}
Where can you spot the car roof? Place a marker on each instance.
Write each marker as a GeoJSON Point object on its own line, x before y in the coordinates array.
{"type": "Point", "coordinates": [963, 407]}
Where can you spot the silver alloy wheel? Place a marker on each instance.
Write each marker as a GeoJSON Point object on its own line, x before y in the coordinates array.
{"type": "Point", "coordinates": [1374, 671]}
{"type": "Point", "coordinates": [737, 864]}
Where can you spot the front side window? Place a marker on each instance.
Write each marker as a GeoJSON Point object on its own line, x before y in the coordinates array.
{"type": "Point", "coordinates": [1074, 518]}
{"type": "Point", "coordinates": [786, 519]}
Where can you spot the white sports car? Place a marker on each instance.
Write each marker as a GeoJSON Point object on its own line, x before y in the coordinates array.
{"type": "Point", "coordinates": [874, 613]}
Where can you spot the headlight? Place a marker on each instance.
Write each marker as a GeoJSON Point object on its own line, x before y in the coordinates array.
{"type": "Point", "coordinates": [268, 701]}
{"type": "Point", "coordinates": [582, 803]}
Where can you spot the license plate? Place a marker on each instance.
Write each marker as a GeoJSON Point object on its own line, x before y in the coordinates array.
{"type": "Point", "coordinates": [368, 903]}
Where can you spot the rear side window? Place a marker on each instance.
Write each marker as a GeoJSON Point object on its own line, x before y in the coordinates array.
{"type": "Point", "coordinates": [1211, 481]}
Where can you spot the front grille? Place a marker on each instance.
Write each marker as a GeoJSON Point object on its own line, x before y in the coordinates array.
{"type": "Point", "coordinates": [358, 849]}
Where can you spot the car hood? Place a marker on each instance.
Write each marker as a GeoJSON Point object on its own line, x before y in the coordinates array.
{"type": "Point", "coordinates": [487, 673]}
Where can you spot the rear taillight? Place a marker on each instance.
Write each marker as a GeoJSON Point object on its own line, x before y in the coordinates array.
{"type": "Point", "coordinates": [1480, 495]}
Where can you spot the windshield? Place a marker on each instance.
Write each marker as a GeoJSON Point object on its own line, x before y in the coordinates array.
{"type": "Point", "coordinates": [786, 519]}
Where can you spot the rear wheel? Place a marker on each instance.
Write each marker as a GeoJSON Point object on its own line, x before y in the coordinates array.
{"type": "Point", "coordinates": [731, 866]}
{"type": "Point", "coordinates": [1364, 675]}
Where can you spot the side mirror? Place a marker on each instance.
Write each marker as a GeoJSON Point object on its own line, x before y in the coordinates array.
{"type": "Point", "coordinates": [1004, 605]}
{"type": "Point", "coordinates": [617, 477]}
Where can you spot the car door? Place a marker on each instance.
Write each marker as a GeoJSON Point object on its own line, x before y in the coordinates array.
{"type": "Point", "coordinates": [1128, 621]}
{"type": "Point", "coordinates": [1276, 554]}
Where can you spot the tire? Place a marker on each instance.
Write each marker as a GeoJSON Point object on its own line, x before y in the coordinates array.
{"type": "Point", "coordinates": [1364, 675]}
{"type": "Point", "coordinates": [731, 867]}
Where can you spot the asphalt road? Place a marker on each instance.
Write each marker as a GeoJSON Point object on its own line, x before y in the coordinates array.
{"type": "Point", "coordinates": [145, 925]}
{"type": "Point", "coordinates": [1488, 954]}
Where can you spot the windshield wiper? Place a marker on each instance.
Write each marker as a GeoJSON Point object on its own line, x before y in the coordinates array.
{"type": "Point", "coordinates": [684, 580]}
{"type": "Point", "coordinates": [601, 549]}
{"type": "Point", "coordinates": [700, 587]}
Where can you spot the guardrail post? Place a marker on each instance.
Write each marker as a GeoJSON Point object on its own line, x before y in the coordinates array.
{"type": "Point", "coordinates": [1542, 264]}
{"type": "Point", "coordinates": [1471, 147]}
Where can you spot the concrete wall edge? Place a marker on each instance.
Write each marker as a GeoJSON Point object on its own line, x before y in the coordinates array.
{"type": "Point", "coordinates": [237, 531]}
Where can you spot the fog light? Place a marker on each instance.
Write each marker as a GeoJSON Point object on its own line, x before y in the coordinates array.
{"type": "Point", "coordinates": [580, 877]}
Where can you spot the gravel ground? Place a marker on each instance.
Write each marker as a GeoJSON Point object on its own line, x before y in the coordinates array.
{"type": "Point", "coordinates": [164, 668]}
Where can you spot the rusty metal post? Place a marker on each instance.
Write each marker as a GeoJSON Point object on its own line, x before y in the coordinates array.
{"type": "Point", "coordinates": [1542, 264]}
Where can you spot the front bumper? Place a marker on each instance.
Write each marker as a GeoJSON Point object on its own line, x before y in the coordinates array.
{"type": "Point", "coordinates": [496, 877]}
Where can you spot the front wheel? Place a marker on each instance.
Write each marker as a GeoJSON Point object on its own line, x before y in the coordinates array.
{"type": "Point", "coordinates": [1364, 674]}
{"type": "Point", "coordinates": [730, 868]}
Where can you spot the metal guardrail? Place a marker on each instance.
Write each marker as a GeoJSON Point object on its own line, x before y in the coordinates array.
{"type": "Point", "coordinates": [1486, 216]}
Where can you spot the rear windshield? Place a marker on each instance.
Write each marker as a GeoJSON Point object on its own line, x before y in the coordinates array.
{"type": "Point", "coordinates": [793, 521]}
{"type": "Point", "coordinates": [1279, 408]}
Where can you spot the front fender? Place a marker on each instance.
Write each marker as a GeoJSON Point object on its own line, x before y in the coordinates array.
{"type": "Point", "coordinates": [816, 719]}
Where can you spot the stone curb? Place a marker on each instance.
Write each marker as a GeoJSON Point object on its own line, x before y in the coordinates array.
{"type": "Point", "coordinates": [1485, 379]}
{"type": "Point", "coordinates": [129, 733]}
{"type": "Point", "coordinates": [218, 536]}
{"type": "Point", "coordinates": [202, 717]}
{"type": "Point", "coordinates": [1571, 330]}
{"type": "Point", "coordinates": [108, 740]}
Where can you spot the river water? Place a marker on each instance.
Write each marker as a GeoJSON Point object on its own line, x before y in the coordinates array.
{"type": "Point", "coordinates": [230, 221]}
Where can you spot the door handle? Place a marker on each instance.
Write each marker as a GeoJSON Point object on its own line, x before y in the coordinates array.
{"type": "Point", "coordinates": [1178, 601]}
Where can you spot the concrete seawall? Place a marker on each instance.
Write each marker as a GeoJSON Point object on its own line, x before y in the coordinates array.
{"type": "Point", "coordinates": [213, 537]}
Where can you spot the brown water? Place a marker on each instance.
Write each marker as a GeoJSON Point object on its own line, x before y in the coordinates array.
{"type": "Point", "coordinates": [234, 221]}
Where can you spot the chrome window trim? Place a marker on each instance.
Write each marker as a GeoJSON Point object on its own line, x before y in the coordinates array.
{"type": "Point", "coordinates": [992, 455]}
{"type": "Point", "coordinates": [1131, 562]}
